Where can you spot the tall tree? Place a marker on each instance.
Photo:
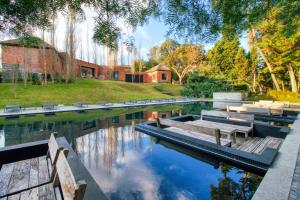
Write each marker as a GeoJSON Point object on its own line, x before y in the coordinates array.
{"type": "Point", "coordinates": [282, 50]}
{"type": "Point", "coordinates": [20, 16]}
{"type": "Point", "coordinates": [185, 58]}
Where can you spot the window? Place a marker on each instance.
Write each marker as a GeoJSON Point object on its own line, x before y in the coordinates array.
{"type": "Point", "coordinates": [115, 75]}
{"type": "Point", "coordinates": [12, 72]}
{"type": "Point", "coordinates": [164, 76]}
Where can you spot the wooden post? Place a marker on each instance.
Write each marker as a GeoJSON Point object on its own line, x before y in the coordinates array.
{"type": "Point", "coordinates": [218, 136]}
{"type": "Point", "coordinates": [158, 123]}
{"type": "Point", "coordinates": [234, 137]}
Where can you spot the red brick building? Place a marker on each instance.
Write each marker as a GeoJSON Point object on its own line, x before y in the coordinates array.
{"type": "Point", "coordinates": [31, 60]}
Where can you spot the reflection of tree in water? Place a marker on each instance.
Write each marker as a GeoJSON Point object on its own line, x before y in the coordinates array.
{"type": "Point", "coordinates": [228, 189]}
{"type": "Point", "coordinates": [106, 145]}
{"type": "Point", "coordinates": [110, 147]}
{"type": "Point", "coordinates": [195, 109]}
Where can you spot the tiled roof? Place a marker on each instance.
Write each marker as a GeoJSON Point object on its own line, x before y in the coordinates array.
{"type": "Point", "coordinates": [17, 42]}
{"type": "Point", "coordinates": [159, 67]}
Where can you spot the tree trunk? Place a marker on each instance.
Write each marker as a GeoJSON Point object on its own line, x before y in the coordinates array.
{"type": "Point", "coordinates": [292, 78]}
{"type": "Point", "coordinates": [274, 79]}
{"type": "Point", "coordinates": [44, 58]}
{"type": "Point", "coordinates": [254, 81]}
{"type": "Point", "coordinates": [252, 41]}
{"type": "Point", "coordinates": [70, 46]}
{"type": "Point", "coordinates": [25, 66]}
{"type": "Point", "coordinates": [180, 79]}
{"type": "Point", "coordinates": [54, 57]}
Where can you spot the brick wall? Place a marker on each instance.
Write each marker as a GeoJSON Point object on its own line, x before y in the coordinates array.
{"type": "Point", "coordinates": [34, 59]}
{"type": "Point", "coordinates": [55, 63]}
{"type": "Point", "coordinates": [159, 75]}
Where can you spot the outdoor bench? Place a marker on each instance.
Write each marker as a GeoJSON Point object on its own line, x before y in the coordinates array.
{"type": "Point", "coordinates": [41, 178]}
{"type": "Point", "coordinates": [12, 108]}
{"type": "Point", "coordinates": [80, 104]}
{"type": "Point", "coordinates": [48, 106]}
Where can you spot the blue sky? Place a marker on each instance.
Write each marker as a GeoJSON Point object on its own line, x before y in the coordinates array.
{"type": "Point", "coordinates": [155, 32]}
{"type": "Point", "coordinates": [151, 34]}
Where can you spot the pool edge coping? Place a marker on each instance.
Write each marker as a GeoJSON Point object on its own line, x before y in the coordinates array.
{"type": "Point", "coordinates": [276, 183]}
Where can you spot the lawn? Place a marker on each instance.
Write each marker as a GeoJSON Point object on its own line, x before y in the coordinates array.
{"type": "Point", "coordinates": [86, 90]}
{"type": "Point", "coordinates": [278, 96]}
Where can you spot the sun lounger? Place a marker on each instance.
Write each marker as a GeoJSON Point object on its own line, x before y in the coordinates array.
{"type": "Point", "coordinates": [12, 108]}
{"type": "Point", "coordinates": [48, 106]}
{"type": "Point", "coordinates": [80, 104]}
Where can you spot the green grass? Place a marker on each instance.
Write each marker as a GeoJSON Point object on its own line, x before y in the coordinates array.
{"type": "Point", "coordinates": [278, 96]}
{"type": "Point", "coordinates": [86, 90]}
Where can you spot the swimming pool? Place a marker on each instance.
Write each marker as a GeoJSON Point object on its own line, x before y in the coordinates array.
{"type": "Point", "coordinates": [128, 164]}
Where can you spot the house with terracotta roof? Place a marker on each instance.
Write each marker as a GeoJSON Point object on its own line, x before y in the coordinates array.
{"type": "Point", "coordinates": [160, 74]}
{"type": "Point", "coordinates": [32, 59]}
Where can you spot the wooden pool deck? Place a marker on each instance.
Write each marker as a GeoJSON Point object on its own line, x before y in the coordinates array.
{"type": "Point", "coordinates": [58, 109]}
{"type": "Point", "coordinates": [258, 150]}
{"type": "Point", "coordinates": [25, 173]}
{"type": "Point", "coordinates": [258, 145]}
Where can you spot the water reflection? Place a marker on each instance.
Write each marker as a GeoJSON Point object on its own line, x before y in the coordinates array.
{"type": "Point", "coordinates": [128, 164]}
{"type": "Point", "coordinates": [2, 138]}
{"type": "Point", "coordinates": [112, 156]}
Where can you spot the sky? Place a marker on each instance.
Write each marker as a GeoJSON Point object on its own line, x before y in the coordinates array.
{"type": "Point", "coordinates": [151, 34]}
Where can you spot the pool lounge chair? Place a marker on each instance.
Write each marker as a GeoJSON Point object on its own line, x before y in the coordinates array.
{"type": "Point", "coordinates": [48, 106]}
{"type": "Point", "coordinates": [104, 103]}
{"type": "Point", "coordinates": [80, 104]}
{"type": "Point", "coordinates": [12, 108]}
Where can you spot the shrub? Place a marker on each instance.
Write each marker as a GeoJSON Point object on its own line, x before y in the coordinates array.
{"type": "Point", "coordinates": [204, 86]}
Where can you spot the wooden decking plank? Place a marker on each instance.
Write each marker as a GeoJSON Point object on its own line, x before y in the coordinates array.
{"type": "Point", "coordinates": [14, 197]}
{"type": "Point", "coordinates": [46, 192]}
{"type": "Point", "coordinates": [263, 146]}
{"type": "Point", "coordinates": [244, 145]}
{"type": "Point", "coordinates": [249, 144]}
{"type": "Point", "coordinates": [49, 166]}
{"type": "Point", "coordinates": [5, 175]}
{"type": "Point", "coordinates": [223, 129]}
{"type": "Point", "coordinates": [254, 145]}
{"type": "Point", "coordinates": [201, 136]}
{"type": "Point", "coordinates": [43, 170]}
{"type": "Point", "coordinates": [274, 142]}
{"type": "Point", "coordinates": [58, 194]}
{"type": "Point", "coordinates": [34, 172]}
{"type": "Point", "coordinates": [32, 194]}
{"type": "Point", "coordinates": [258, 145]}
{"type": "Point", "coordinates": [20, 176]}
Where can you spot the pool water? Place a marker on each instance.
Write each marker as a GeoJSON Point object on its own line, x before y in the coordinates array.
{"type": "Point", "coordinates": [128, 164]}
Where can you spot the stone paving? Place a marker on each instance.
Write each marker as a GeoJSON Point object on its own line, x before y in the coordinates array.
{"type": "Point", "coordinates": [277, 182]}
{"type": "Point", "coordinates": [295, 187]}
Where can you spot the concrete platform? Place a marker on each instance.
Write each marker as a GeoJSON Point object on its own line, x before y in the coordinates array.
{"type": "Point", "coordinates": [277, 183]}
{"type": "Point", "coordinates": [40, 110]}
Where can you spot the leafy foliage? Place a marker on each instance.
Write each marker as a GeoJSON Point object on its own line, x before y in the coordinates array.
{"type": "Point", "coordinates": [229, 61]}
{"type": "Point", "coordinates": [159, 53]}
{"type": "Point", "coordinates": [20, 16]}
{"type": "Point", "coordinates": [206, 19]}
{"type": "Point", "coordinates": [185, 58]}
{"type": "Point", "coordinates": [283, 51]}
{"type": "Point", "coordinates": [199, 85]}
